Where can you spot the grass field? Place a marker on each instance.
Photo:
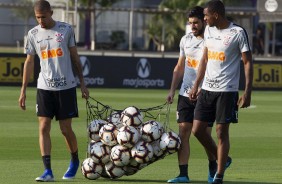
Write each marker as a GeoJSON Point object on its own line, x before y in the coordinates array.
{"type": "Point", "coordinates": [256, 146]}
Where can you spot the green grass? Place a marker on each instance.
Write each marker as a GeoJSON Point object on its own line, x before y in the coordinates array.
{"type": "Point", "coordinates": [256, 146]}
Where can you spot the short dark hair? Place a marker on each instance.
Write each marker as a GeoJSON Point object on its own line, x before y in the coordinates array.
{"type": "Point", "coordinates": [197, 11]}
{"type": "Point", "coordinates": [42, 5]}
{"type": "Point", "coordinates": [216, 6]}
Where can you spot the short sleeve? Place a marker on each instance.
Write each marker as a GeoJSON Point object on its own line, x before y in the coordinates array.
{"type": "Point", "coordinates": [71, 41]}
{"type": "Point", "coordinates": [29, 46]}
{"type": "Point", "coordinates": [243, 41]}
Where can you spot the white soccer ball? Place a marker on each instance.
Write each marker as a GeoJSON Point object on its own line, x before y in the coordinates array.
{"type": "Point", "coordinates": [94, 128]}
{"type": "Point", "coordinates": [114, 118]}
{"type": "Point", "coordinates": [100, 153]}
{"type": "Point", "coordinates": [134, 164]}
{"type": "Point", "coordinates": [170, 142]}
{"type": "Point", "coordinates": [158, 152]}
{"type": "Point", "coordinates": [131, 116]}
{"type": "Point", "coordinates": [151, 131]}
{"type": "Point", "coordinates": [108, 134]}
{"type": "Point", "coordinates": [91, 170]}
{"type": "Point", "coordinates": [128, 136]}
{"type": "Point", "coordinates": [128, 170]}
{"type": "Point", "coordinates": [114, 171]}
{"type": "Point", "coordinates": [120, 155]}
{"type": "Point", "coordinates": [142, 152]}
{"type": "Point", "coordinates": [89, 146]}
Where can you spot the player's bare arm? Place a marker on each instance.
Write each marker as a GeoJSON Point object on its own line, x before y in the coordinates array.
{"type": "Point", "coordinates": [245, 100]}
{"type": "Point", "coordinates": [200, 75]}
{"type": "Point", "coordinates": [27, 71]}
{"type": "Point", "coordinates": [178, 73]}
{"type": "Point", "coordinates": [78, 69]}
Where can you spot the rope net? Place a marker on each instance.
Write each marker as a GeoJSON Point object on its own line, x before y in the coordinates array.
{"type": "Point", "coordinates": [98, 110]}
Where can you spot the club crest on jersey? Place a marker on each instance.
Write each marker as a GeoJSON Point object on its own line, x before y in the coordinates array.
{"type": "Point", "coordinates": [60, 37]}
{"type": "Point", "coordinates": [227, 40]}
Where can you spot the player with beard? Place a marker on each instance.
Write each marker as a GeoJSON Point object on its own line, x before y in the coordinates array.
{"type": "Point", "coordinates": [191, 52]}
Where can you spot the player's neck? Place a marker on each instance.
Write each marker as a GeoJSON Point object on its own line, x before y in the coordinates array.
{"type": "Point", "coordinates": [223, 24]}
{"type": "Point", "coordinates": [51, 25]}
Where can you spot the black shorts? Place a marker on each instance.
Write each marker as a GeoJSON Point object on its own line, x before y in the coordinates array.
{"type": "Point", "coordinates": [61, 104]}
{"type": "Point", "coordinates": [217, 106]}
{"type": "Point", "coordinates": [185, 110]}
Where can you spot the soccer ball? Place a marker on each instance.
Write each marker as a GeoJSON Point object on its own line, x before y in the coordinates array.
{"type": "Point", "coordinates": [158, 152]}
{"type": "Point", "coordinates": [142, 152]}
{"type": "Point", "coordinates": [134, 164]}
{"type": "Point", "coordinates": [94, 128]}
{"type": "Point", "coordinates": [91, 170]}
{"type": "Point", "coordinates": [114, 171]}
{"type": "Point", "coordinates": [128, 136]}
{"type": "Point", "coordinates": [114, 118]}
{"type": "Point", "coordinates": [151, 131]}
{"type": "Point", "coordinates": [131, 116]}
{"type": "Point", "coordinates": [120, 155]}
{"type": "Point", "coordinates": [100, 153]}
{"type": "Point", "coordinates": [129, 170]}
{"type": "Point", "coordinates": [89, 146]}
{"type": "Point", "coordinates": [170, 142]}
{"type": "Point", "coordinates": [108, 134]}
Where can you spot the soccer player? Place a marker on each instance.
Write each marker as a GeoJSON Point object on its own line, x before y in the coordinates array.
{"type": "Point", "coordinates": [191, 52]}
{"type": "Point", "coordinates": [225, 45]}
{"type": "Point", "coordinates": [54, 43]}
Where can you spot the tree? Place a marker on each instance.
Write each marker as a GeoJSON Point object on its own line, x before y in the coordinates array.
{"type": "Point", "coordinates": [92, 4]}
{"type": "Point", "coordinates": [167, 28]}
{"type": "Point", "coordinates": [24, 13]}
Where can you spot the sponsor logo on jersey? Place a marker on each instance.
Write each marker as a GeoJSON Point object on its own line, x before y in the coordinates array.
{"type": "Point", "coordinates": [191, 62]}
{"type": "Point", "coordinates": [212, 83]}
{"type": "Point", "coordinates": [214, 55]}
{"type": "Point", "coordinates": [57, 82]}
{"type": "Point", "coordinates": [52, 53]}
{"type": "Point", "coordinates": [62, 27]}
{"type": "Point", "coordinates": [233, 31]}
{"type": "Point", "coordinates": [34, 32]}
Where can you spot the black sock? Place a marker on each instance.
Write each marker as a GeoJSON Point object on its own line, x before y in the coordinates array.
{"type": "Point", "coordinates": [183, 170]}
{"type": "Point", "coordinates": [74, 156]}
{"type": "Point", "coordinates": [212, 165]}
{"type": "Point", "coordinates": [47, 161]}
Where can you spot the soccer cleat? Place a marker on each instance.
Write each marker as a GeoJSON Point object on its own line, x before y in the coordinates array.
{"type": "Point", "coordinates": [179, 179]}
{"type": "Point", "coordinates": [211, 176]}
{"type": "Point", "coordinates": [228, 163]}
{"type": "Point", "coordinates": [212, 173]}
{"type": "Point", "coordinates": [47, 176]}
{"type": "Point", "coordinates": [217, 180]}
{"type": "Point", "coordinates": [71, 172]}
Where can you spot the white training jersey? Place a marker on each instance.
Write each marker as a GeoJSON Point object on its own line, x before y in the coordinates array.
{"type": "Point", "coordinates": [225, 48]}
{"type": "Point", "coordinates": [192, 48]}
{"type": "Point", "coordinates": [52, 47]}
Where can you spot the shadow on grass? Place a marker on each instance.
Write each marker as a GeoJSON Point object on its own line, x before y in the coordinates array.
{"type": "Point", "coordinates": [164, 181]}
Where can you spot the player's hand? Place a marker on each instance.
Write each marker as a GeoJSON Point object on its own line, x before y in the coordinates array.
{"type": "Point", "coordinates": [22, 101]}
{"type": "Point", "coordinates": [84, 92]}
{"type": "Point", "coordinates": [244, 101]}
{"type": "Point", "coordinates": [170, 97]}
{"type": "Point", "coordinates": [193, 94]}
